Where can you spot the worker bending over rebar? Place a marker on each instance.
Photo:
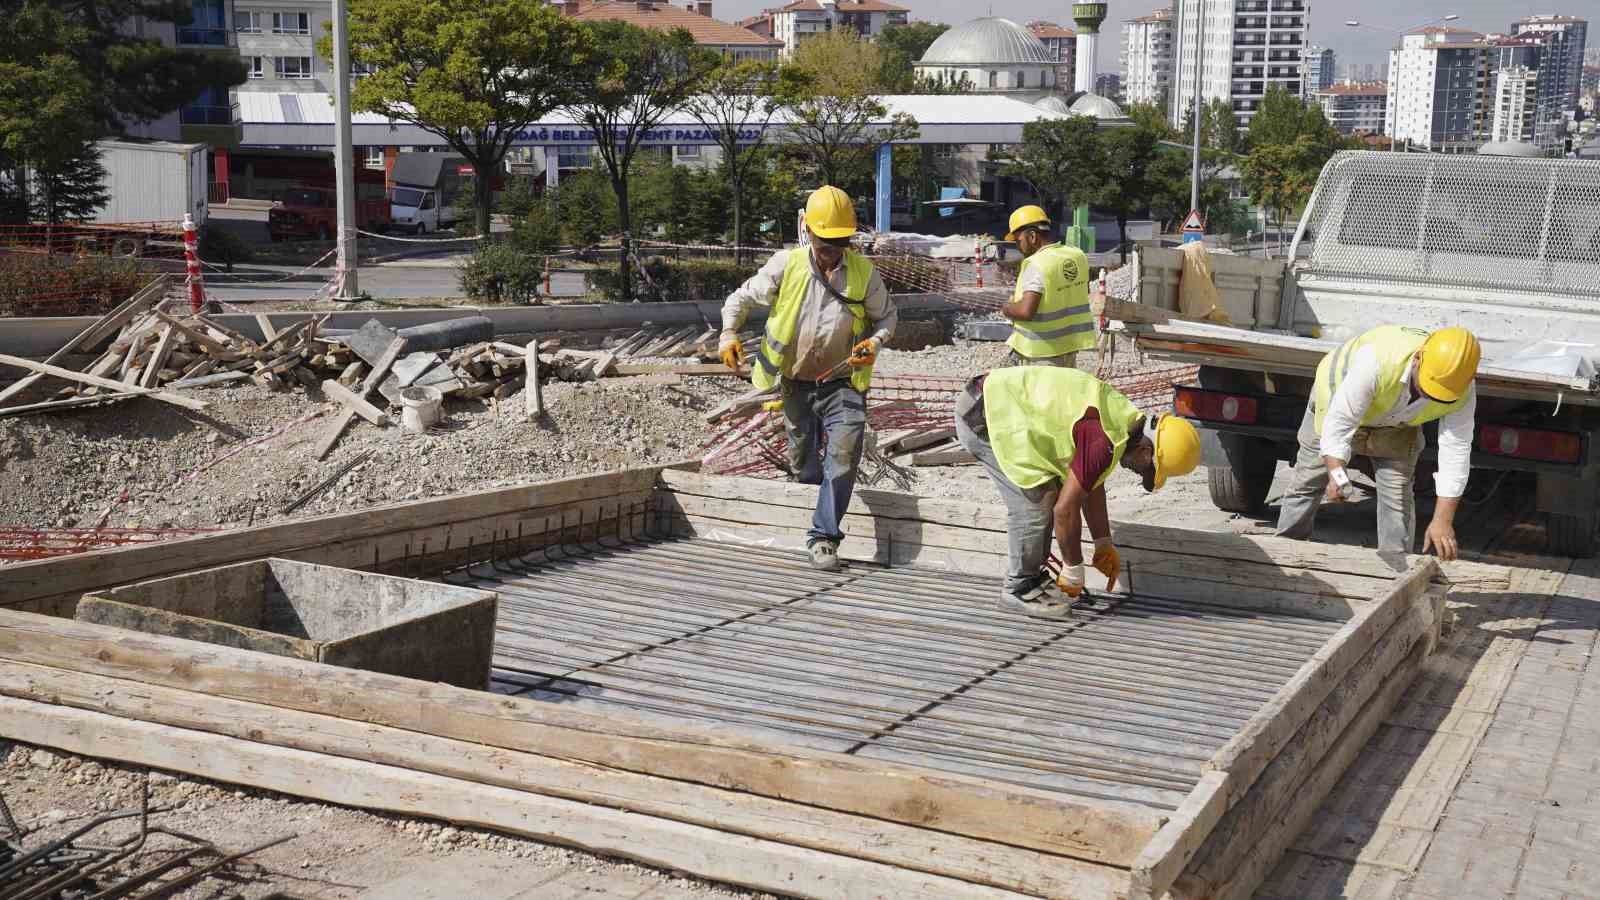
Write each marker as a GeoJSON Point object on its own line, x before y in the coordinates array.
{"type": "Point", "coordinates": [1371, 398]}
{"type": "Point", "coordinates": [1050, 437]}
{"type": "Point", "coordinates": [830, 315]}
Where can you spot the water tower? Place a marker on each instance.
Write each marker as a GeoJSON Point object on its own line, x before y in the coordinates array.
{"type": "Point", "coordinates": [1088, 17]}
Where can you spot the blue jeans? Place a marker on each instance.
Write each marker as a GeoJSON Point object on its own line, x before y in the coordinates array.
{"type": "Point", "coordinates": [836, 413]}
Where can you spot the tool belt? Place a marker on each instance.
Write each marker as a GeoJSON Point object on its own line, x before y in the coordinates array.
{"type": "Point", "coordinates": [1398, 442]}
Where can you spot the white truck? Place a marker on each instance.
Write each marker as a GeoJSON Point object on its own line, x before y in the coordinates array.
{"type": "Point", "coordinates": [153, 181]}
{"type": "Point", "coordinates": [1507, 247]}
{"type": "Point", "coordinates": [423, 196]}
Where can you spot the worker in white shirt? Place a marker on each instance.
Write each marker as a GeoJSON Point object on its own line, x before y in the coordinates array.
{"type": "Point", "coordinates": [1371, 398]}
{"type": "Point", "coordinates": [1049, 310]}
{"type": "Point", "coordinates": [830, 314]}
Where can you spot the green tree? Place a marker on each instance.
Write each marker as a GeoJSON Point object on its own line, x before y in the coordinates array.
{"type": "Point", "coordinates": [736, 104]}
{"type": "Point", "coordinates": [836, 124]}
{"type": "Point", "coordinates": [132, 78]}
{"type": "Point", "coordinates": [1063, 160]}
{"type": "Point", "coordinates": [901, 46]}
{"type": "Point", "coordinates": [1290, 142]}
{"type": "Point", "coordinates": [635, 79]}
{"type": "Point", "coordinates": [1132, 157]}
{"type": "Point", "coordinates": [588, 207]}
{"type": "Point", "coordinates": [472, 72]}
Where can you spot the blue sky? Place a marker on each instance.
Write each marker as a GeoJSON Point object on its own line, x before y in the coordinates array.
{"type": "Point", "coordinates": [1384, 19]}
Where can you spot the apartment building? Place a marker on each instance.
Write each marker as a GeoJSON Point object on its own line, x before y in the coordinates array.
{"type": "Point", "coordinates": [1516, 105]}
{"type": "Point", "coordinates": [1145, 58]}
{"type": "Point", "coordinates": [798, 21]}
{"type": "Point", "coordinates": [1062, 45]}
{"type": "Point", "coordinates": [694, 17]}
{"type": "Point", "coordinates": [1354, 107]}
{"type": "Point", "coordinates": [1319, 70]}
{"type": "Point", "coordinates": [1437, 84]}
{"type": "Point", "coordinates": [1562, 41]}
{"type": "Point", "coordinates": [1243, 49]}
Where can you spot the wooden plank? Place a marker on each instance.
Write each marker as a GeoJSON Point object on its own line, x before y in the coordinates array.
{"type": "Point", "coordinates": [922, 439]}
{"type": "Point", "coordinates": [55, 405]}
{"type": "Point", "coordinates": [533, 392]}
{"type": "Point", "coordinates": [1285, 779]}
{"type": "Point", "coordinates": [105, 568]}
{"type": "Point", "coordinates": [115, 386]}
{"type": "Point", "coordinates": [385, 362]}
{"type": "Point", "coordinates": [93, 334]}
{"type": "Point", "coordinates": [268, 333]}
{"type": "Point", "coordinates": [1284, 827]}
{"type": "Point", "coordinates": [1102, 832]}
{"type": "Point", "coordinates": [158, 358]}
{"type": "Point", "coordinates": [959, 457]}
{"type": "Point", "coordinates": [1249, 751]}
{"type": "Point", "coordinates": [1276, 551]}
{"type": "Point", "coordinates": [355, 403]}
{"type": "Point", "coordinates": [736, 859]}
{"type": "Point", "coordinates": [1163, 859]}
{"type": "Point", "coordinates": [904, 846]}
{"type": "Point", "coordinates": [208, 380]}
{"type": "Point", "coordinates": [203, 341]}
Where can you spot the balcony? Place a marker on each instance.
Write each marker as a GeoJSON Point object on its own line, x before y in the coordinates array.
{"type": "Point", "coordinates": [208, 115]}
{"type": "Point", "coordinates": [205, 37]}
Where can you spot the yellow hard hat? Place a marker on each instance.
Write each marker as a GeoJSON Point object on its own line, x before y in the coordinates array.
{"type": "Point", "coordinates": [1025, 216]}
{"type": "Point", "coordinates": [1177, 447]}
{"type": "Point", "coordinates": [1449, 363]}
{"type": "Point", "coordinates": [830, 214]}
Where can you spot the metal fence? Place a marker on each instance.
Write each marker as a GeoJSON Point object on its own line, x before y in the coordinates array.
{"type": "Point", "coordinates": [1468, 221]}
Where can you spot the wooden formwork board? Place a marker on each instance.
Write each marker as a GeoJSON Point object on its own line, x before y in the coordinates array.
{"type": "Point", "coordinates": [697, 796]}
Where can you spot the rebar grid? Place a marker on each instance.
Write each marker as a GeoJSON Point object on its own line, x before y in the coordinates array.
{"type": "Point", "coordinates": [1123, 702]}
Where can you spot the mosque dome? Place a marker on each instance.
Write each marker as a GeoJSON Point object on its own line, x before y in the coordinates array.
{"type": "Point", "coordinates": [1053, 103]}
{"type": "Point", "coordinates": [987, 41]}
{"type": "Point", "coordinates": [1096, 107]}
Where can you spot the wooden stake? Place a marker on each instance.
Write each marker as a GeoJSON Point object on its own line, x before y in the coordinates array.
{"type": "Point", "coordinates": [533, 393]}
{"type": "Point", "coordinates": [85, 378]}
{"type": "Point", "coordinates": [356, 403]}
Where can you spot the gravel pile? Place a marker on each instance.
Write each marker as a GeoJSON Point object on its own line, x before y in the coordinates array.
{"type": "Point", "coordinates": [158, 466]}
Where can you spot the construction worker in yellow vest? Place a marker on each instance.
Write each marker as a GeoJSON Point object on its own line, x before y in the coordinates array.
{"type": "Point", "coordinates": [829, 316]}
{"type": "Point", "coordinates": [1049, 310]}
{"type": "Point", "coordinates": [1371, 398]}
{"type": "Point", "coordinates": [1050, 437]}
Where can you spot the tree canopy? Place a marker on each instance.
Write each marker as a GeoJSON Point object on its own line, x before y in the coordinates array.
{"type": "Point", "coordinates": [833, 108]}
{"type": "Point", "coordinates": [473, 72]}
{"type": "Point", "coordinates": [900, 47]}
{"type": "Point", "coordinates": [1063, 160]}
{"type": "Point", "coordinates": [1290, 141]}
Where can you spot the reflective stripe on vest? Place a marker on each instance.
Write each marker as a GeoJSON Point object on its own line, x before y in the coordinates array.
{"type": "Point", "coordinates": [1030, 412]}
{"type": "Point", "coordinates": [775, 356]}
{"type": "Point", "coordinates": [1395, 345]}
{"type": "Point", "coordinates": [1063, 323]}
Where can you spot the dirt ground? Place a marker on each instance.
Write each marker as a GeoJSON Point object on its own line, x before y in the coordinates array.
{"type": "Point", "coordinates": [244, 459]}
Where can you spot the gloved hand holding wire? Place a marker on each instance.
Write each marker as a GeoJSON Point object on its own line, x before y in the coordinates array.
{"type": "Point", "coordinates": [1107, 561]}
{"type": "Point", "coordinates": [864, 353]}
{"type": "Point", "coordinates": [1070, 581]}
{"type": "Point", "coordinates": [731, 351]}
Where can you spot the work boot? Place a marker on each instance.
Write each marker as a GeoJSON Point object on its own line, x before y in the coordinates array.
{"type": "Point", "coordinates": [1042, 601]}
{"type": "Point", "coordinates": [824, 555]}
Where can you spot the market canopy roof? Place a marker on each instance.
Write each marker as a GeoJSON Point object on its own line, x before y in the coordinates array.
{"type": "Point", "coordinates": [306, 120]}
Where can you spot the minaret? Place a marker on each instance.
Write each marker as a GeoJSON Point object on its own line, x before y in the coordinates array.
{"type": "Point", "coordinates": [1088, 17]}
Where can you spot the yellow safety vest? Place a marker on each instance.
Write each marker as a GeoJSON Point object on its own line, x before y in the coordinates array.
{"type": "Point", "coordinates": [1030, 411]}
{"type": "Point", "coordinates": [775, 357]}
{"type": "Point", "coordinates": [1063, 322]}
{"type": "Point", "coordinates": [1396, 345]}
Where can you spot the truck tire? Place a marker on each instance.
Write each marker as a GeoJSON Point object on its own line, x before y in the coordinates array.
{"type": "Point", "coordinates": [1242, 485]}
{"type": "Point", "coordinates": [1571, 535]}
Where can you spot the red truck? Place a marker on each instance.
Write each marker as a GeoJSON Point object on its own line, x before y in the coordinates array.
{"type": "Point", "coordinates": [311, 213]}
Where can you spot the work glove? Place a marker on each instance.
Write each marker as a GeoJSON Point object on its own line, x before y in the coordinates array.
{"type": "Point", "coordinates": [1107, 561]}
{"type": "Point", "coordinates": [864, 353]}
{"type": "Point", "coordinates": [731, 351]}
{"type": "Point", "coordinates": [1070, 581]}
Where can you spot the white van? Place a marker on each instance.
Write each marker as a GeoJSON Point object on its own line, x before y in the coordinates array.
{"type": "Point", "coordinates": [414, 209]}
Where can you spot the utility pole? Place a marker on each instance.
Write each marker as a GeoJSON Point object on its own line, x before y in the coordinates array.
{"type": "Point", "coordinates": [1199, 44]}
{"type": "Point", "coordinates": [344, 157]}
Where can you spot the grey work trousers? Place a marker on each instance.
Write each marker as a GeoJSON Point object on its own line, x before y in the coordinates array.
{"type": "Point", "coordinates": [1030, 512]}
{"type": "Point", "coordinates": [1064, 361]}
{"type": "Point", "coordinates": [1394, 453]}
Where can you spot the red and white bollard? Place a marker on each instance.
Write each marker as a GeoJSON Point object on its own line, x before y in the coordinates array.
{"type": "Point", "coordinates": [977, 260]}
{"type": "Point", "coordinates": [191, 260]}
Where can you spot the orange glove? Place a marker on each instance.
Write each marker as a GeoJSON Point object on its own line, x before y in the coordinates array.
{"type": "Point", "coordinates": [864, 353]}
{"type": "Point", "coordinates": [731, 351]}
{"type": "Point", "coordinates": [1107, 561]}
{"type": "Point", "coordinates": [1070, 581]}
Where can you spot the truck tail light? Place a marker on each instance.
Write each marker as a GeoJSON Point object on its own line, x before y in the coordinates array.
{"type": "Point", "coordinates": [1216, 406]}
{"type": "Point", "coordinates": [1528, 443]}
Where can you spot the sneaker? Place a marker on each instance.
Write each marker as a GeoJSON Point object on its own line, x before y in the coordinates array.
{"type": "Point", "coordinates": [824, 555]}
{"type": "Point", "coordinates": [1042, 601]}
